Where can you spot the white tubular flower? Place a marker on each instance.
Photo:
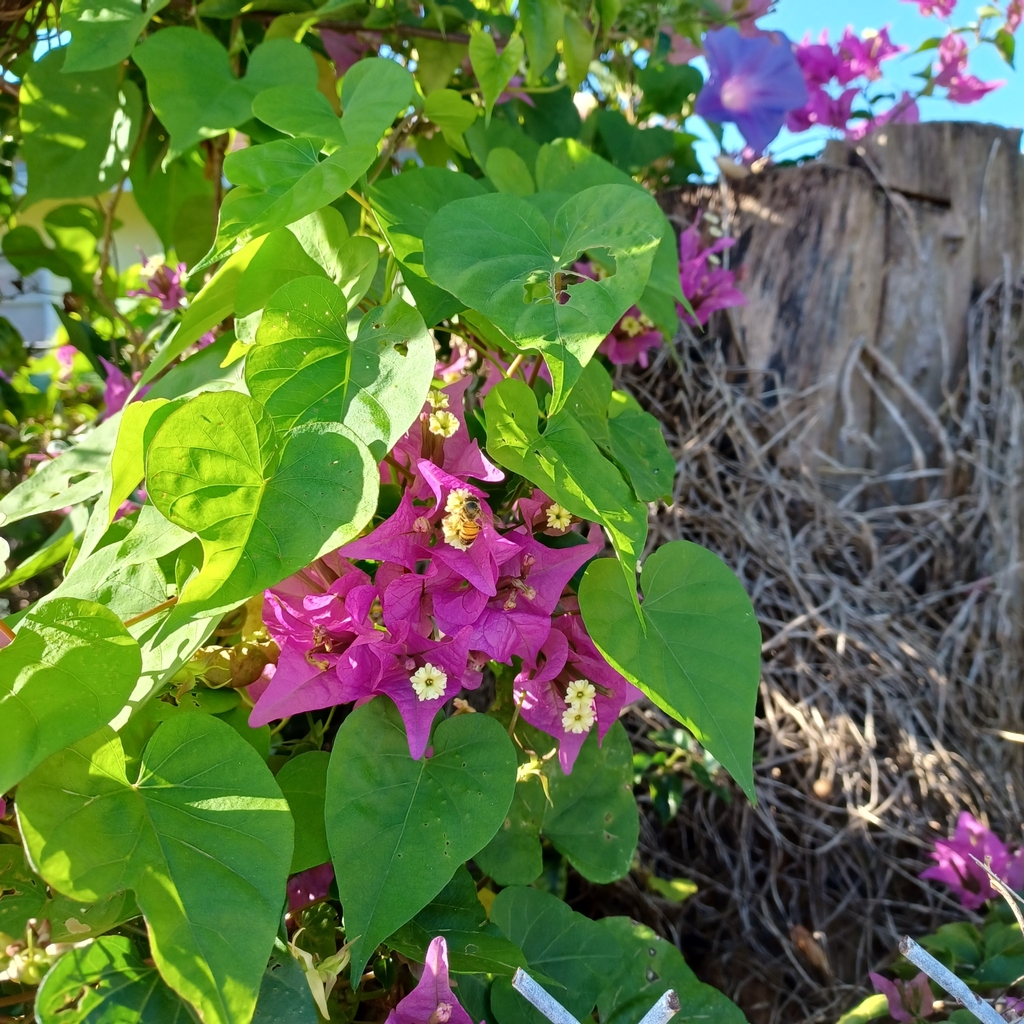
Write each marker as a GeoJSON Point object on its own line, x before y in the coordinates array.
{"type": "Point", "coordinates": [452, 535]}
{"type": "Point", "coordinates": [442, 423]}
{"type": "Point", "coordinates": [437, 399]}
{"type": "Point", "coordinates": [578, 719]}
{"type": "Point", "coordinates": [558, 518]}
{"type": "Point", "coordinates": [580, 693]}
{"type": "Point", "coordinates": [429, 682]}
{"type": "Point", "coordinates": [456, 499]}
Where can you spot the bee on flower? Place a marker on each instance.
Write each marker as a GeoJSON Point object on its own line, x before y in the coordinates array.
{"type": "Point", "coordinates": [461, 525]}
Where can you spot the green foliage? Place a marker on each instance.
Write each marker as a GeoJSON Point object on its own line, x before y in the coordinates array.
{"type": "Point", "coordinates": [70, 669]}
{"type": "Point", "coordinates": [303, 780]}
{"type": "Point", "coordinates": [502, 256]}
{"type": "Point", "coordinates": [565, 462]}
{"type": "Point", "coordinates": [263, 505]}
{"type": "Point", "coordinates": [699, 659]}
{"type": "Point", "coordinates": [305, 369]}
{"type": "Point", "coordinates": [575, 955]}
{"type": "Point", "coordinates": [107, 981]}
{"type": "Point", "coordinates": [79, 129]}
{"type": "Point", "coordinates": [649, 966]}
{"type": "Point", "coordinates": [293, 373]}
{"type": "Point", "coordinates": [590, 816]}
{"type": "Point", "coordinates": [392, 857]}
{"type": "Point", "coordinates": [192, 88]}
{"type": "Point", "coordinates": [474, 945]}
{"type": "Point", "coordinates": [202, 836]}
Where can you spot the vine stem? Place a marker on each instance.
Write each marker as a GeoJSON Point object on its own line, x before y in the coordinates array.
{"type": "Point", "coordinates": [142, 616]}
{"type": "Point", "coordinates": [7, 635]}
{"type": "Point", "coordinates": [514, 365]}
{"type": "Point", "coordinates": [535, 372]}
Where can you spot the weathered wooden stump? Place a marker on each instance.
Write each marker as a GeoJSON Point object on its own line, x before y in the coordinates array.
{"type": "Point", "coordinates": [860, 270]}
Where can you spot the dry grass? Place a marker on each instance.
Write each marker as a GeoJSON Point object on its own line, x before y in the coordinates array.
{"type": "Point", "coordinates": [892, 665]}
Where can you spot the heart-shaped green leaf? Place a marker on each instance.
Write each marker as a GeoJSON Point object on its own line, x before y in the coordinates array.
{"type": "Point", "coordinates": [374, 92]}
{"type": "Point", "coordinates": [648, 967]}
{"type": "Point", "coordinates": [403, 205]}
{"type": "Point", "coordinates": [278, 183]}
{"type": "Point", "coordinates": [493, 70]}
{"type": "Point", "coordinates": [193, 90]}
{"type": "Point", "coordinates": [474, 945]}
{"type": "Point", "coordinates": [573, 953]}
{"type": "Point", "coordinates": [501, 256]}
{"type": "Point", "coordinates": [303, 780]}
{"type": "Point", "coordinates": [304, 369]}
{"type": "Point", "coordinates": [590, 815]}
{"type": "Point", "coordinates": [701, 657]}
{"type": "Point", "coordinates": [393, 856]}
{"type": "Point", "coordinates": [106, 980]}
{"type": "Point", "coordinates": [69, 671]}
{"type": "Point", "coordinates": [202, 835]}
{"type": "Point", "coordinates": [262, 505]}
{"type": "Point", "coordinates": [565, 463]}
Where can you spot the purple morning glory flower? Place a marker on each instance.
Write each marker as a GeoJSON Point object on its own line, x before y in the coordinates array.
{"type": "Point", "coordinates": [753, 83]}
{"type": "Point", "coordinates": [432, 1000]}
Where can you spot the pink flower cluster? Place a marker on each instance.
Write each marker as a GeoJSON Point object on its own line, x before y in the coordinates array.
{"type": "Point", "coordinates": [955, 862]}
{"type": "Point", "coordinates": [453, 585]}
{"type": "Point", "coordinates": [853, 57]}
{"type": "Point", "coordinates": [163, 283]}
{"type": "Point", "coordinates": [707, 286]}
{"type": "Point", "coordinates": [951, 73]}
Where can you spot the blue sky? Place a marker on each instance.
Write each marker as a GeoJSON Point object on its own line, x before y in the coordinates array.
{"type": "Point", "coordinates": [794, 17]}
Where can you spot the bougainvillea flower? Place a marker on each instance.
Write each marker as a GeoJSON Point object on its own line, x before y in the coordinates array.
{"type": "Point", "coordinates": [309, 887]}
{"type": "Point", "coordinates": [404, 537]}
{"type": "Point", "coordinates": [518, 620]}
{"type": "Point", "coordinates": [480, 559]}
{"type": "Point", "coordinates": [951, 72]}
{"type": "Point", "coordinates": [432, 1000]}
{"type": "Point", "coordinates": [817, 61]}
{"type": "Point", "coordinates": [118, 387]}
{"type": "Point", "coordinates": [904, 111]}
{"type": "Point", "coordinates": [1014, 15]}
{"type": "Point", "coordinates": [707, 289]}
{"type": "Point", "coordinates": [956, 868]}
{"type": "Point", "coordinates": [317, 631]}
{"type": "Point", "coordinates": [631, 339]}
{"type": "Point", "coordinates": [823, 109]}
{"type": "Point", "coordinates": [908, 1000]}
{"type": "Point", "coordinates": [940, 8]}
{"type": "Point", "coordinates": [859, 56]}
{"type": "Point", "coordinates": [163, 283]}
{"type": "Point", "coordinates": [65, 356]}
{"type": "Point", "coordinates": [448, 446]}
{"type": "Point", "coordinates": [345, 48]}
{"type": "Point", "coordinates": [753, 83]}
{"type": "Point", "coordinates": [419, 674]}
{"type": "Point", "coordinates": [543, 689]}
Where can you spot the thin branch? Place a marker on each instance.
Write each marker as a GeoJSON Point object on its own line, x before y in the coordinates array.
{"type": "Point", "coordinates": [142, 616]}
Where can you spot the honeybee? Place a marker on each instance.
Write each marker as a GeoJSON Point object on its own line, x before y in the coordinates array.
{"type": "Point", "coordinates": [461, 525]}
{"type": "Point", "coordinates": [468, 524]}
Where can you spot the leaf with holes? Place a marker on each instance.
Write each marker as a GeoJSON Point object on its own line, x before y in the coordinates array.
{"type": "Point", "coordinates": [305, 369]}
{"type": "Point", "coordinates": [500, 255]}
